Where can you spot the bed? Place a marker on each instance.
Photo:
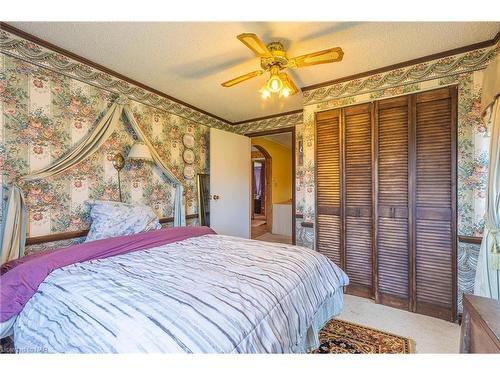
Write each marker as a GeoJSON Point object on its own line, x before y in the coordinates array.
{"type": "Point", "coordinates": [181, 290]}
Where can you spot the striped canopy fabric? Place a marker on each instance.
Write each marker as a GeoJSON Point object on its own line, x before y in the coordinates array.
{"type": "Point", "coordinates": [13, 233]}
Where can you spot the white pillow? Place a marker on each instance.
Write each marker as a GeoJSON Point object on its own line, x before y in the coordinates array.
{"type": "Point", "coordinates": [112, 219]}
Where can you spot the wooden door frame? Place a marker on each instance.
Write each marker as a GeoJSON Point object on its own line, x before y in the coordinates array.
{"type": "Point", "coordinates": [268, 196]}
{"type": "Point", "coordinates": [454, 199]}
{"type": "Point", "coordinates": [279, 131]}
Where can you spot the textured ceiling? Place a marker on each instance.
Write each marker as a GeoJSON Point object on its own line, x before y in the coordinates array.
{"type": "Point", "coordinates": [189, 60]}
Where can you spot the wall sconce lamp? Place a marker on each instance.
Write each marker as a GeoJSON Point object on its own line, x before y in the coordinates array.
{"type": "Point", "coordinates": [139, 151]}
{"type": "Point", "coordinates": [119, 163]}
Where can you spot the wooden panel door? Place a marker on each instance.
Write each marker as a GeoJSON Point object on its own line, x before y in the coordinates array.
{"type": "Point", "coordinates": [357, 195]}
{"type": "Point", "coordinates": [328, 181]}
{"type": "Point", "coordinates": [392, 247]}
{"type": "Point", "coordinates": [435, 197]}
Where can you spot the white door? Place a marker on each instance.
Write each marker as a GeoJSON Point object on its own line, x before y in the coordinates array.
{"type": "Point", "coordinates": [230, 183]}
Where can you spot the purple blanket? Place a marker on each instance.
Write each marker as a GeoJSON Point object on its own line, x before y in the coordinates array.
{"type": "Point", "coordinates": [22, 277]}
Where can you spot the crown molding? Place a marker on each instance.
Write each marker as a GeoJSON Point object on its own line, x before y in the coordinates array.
{"type": "Point", "coordinates": [496, 39]}
{"type": "Point", "coordinates": [404, 64]}
{"type": "Point", "coordinates": [267, 117]}
{"type": "Point", "coordinates": [276, 122]}
{"type": "Point", "coordinates": [450, 66]}
{"type": "Point", "coordinates": [59, 59]}
{"type": "Point", "coordinates": [17, 48]}
{"type": "Point", "coordinates": [76, 66]}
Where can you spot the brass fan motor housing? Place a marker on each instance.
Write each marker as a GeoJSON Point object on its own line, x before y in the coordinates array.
{"type": "Point", "coordinates": [279, 56]}
{"type": "Point", "coordinates": [273, 60]}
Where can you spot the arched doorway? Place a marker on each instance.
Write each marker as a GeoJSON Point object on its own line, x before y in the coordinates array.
{"type": "Point", "coordinates": [277, 147]}
{"type": "Point", "coordinates": [261, 188]}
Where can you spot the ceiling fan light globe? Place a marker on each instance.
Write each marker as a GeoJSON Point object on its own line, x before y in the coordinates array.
{"type": "Point", "coordinates": [265, 94]}
{"type": "Point", "coordinates": [285, 92]}
{"type": "Point", "coordinates": [275, 84]}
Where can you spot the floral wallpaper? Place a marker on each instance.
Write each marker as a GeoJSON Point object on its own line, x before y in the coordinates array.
{"type": "Point", "coordinates": [44, 114]}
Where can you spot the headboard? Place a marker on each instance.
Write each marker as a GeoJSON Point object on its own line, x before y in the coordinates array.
{"type": "Point", "coordinates": [65, 239]}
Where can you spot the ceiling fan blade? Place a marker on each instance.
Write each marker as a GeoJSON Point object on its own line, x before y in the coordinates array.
{"type": "Point", "coordinates": [242, 78]}
{"type": "Point", "coordinates": [286, 78]}
{"type": "Point", "coordinates": [253, 42]}
{"type": "Point", "coordinates": [321, 57]}
{"type": "Point", "coordinates": [293, 86]}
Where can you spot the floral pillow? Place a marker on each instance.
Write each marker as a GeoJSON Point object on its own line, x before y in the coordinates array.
{"type": "Point", "coordinates": [112, 219]}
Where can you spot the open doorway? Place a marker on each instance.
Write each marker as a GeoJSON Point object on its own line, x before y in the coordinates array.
{"type": "Point", "coordinates": [273, 186]}
{"type": "Point", "coordinates": [261, 191]}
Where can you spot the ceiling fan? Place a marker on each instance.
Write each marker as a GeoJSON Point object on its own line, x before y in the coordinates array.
{"type": "Point", "coordinates": [273, 59]}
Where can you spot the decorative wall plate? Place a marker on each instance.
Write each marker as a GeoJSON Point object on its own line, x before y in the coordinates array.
{"type": "Point", "coordinates": [188, 140]}
{"type": "Point", "coordinates": [189, 172]}
{"type": "Point", "coordinates": [188, 156]}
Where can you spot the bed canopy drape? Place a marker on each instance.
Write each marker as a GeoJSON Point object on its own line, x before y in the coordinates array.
{"type": "Point", "coordinates": [487, 281]}
{"type": "Point", "coordinates": [14, 226]}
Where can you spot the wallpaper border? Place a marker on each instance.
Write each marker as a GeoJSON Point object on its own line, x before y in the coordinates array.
{"type": "Point", "coordinates": [439, 68]}
{"type": "Point", "coordinates": [273, 123]}
{"type": "Point", "coordinates": [18, 47]}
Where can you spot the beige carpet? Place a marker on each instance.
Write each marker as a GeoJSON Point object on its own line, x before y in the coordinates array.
{"type": "Point", "coordinates": [431, 335]}
{"type": "Point", "coordinates": [268, 237]}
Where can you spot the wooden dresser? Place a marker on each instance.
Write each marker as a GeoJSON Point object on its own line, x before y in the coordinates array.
{"type": "Point", "coordinates": [480, 331]}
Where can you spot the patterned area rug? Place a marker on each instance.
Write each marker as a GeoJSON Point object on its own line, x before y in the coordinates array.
{"type": "Point", "coordinates": [7, 345]}
{"type": "Point", "coordinates": [341, 337]}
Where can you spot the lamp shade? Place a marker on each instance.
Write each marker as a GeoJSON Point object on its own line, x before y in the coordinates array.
{"type": "Point", "coordinates": [140, 151]}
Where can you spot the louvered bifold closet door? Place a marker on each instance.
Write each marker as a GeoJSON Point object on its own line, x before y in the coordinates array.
{"type": "Point", "coordinates": [435, 203]}
{"type": "Point", "coordinates": [328, 193]}
{"type": "Point", "coordinates": [392, 203]}
{"type": "Point", "coordinates": [357, 125]}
